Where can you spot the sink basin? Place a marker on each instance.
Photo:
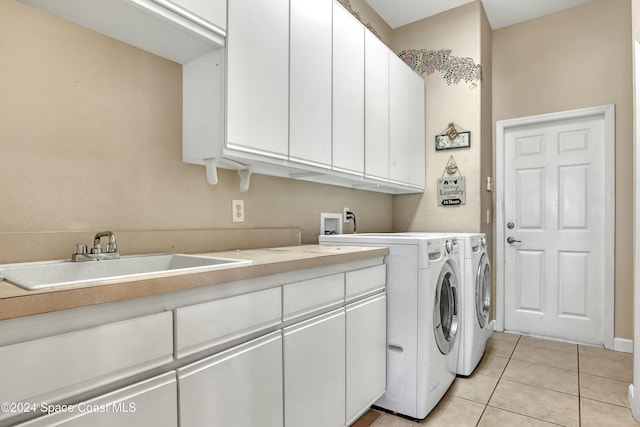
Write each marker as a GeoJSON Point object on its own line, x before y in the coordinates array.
{"type": "Point", "coordinates": [53, 274]}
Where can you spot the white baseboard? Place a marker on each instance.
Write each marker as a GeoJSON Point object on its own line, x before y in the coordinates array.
{"type": "Point", "coordinates": [622, 344]}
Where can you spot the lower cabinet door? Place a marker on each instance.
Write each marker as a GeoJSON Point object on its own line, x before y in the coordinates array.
{"type": "Point", "coordinates": [150, 403]}
{"type": "Point", "coordinates": [314, 372]}
{"type": "Point", "coordinates": [240, 387]}
{"type": "Point", "coordinates": [366, 354]}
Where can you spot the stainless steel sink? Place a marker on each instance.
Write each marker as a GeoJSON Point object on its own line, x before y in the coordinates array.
{"type": "Point", "coordinates": [54, 274]}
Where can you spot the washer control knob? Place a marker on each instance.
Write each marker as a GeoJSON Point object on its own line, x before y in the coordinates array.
{"type": "Point", "coordinates": [448, 246]}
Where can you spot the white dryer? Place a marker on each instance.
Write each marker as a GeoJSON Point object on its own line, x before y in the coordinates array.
{"type": "Point", "coordinates": [422, 318]}
{"type": "Point", "coordinates": [476, 327]}
{"type": "Point", "coordinates": [475, 296]}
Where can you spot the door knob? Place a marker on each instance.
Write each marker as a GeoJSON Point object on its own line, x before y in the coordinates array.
{"type": "Point", "coordinates": [511, 240]}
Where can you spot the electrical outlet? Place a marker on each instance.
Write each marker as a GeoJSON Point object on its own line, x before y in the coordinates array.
{"type": "Point", "coordinates": [344, 215]}
{"type": "Point", "coordinates": [237, 210]}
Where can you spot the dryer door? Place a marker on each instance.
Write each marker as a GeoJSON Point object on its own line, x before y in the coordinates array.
{"type": "Point", "coordinates": [445, 310]}
{"type": "Point", "coordinates": [483, 291]}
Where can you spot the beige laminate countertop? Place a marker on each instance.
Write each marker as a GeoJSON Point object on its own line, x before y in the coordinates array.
{"type": "Point", "coordinates": [18, 302]}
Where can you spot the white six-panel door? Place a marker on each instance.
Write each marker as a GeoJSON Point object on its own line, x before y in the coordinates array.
{"type": "Point", "coordinates": [556, 194]}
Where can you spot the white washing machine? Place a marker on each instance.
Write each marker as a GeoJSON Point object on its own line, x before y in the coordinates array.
{"type": "Point", "coordinates": [475, 297]}
{"type": "Point", "coordinates": [422, 318]}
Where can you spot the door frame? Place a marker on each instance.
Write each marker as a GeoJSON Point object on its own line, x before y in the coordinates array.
{"type": "Point", "coordinates": [607, 112]}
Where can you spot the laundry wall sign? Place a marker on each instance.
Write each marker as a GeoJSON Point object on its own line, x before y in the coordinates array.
{"type": "Point", "coordinates": [452, 191]}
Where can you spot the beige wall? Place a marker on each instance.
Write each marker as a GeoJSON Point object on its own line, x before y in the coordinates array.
{"type": "Point", "coordinates": [460, 30]}
{"type": "Point", "coordinates": [577, 58]}
{"type": "Point", "coordinates": [90, 139]}
{"type": "Point", "coordinates": [369, 16]}
{"type": "Point", "coordinates": [487, 211]}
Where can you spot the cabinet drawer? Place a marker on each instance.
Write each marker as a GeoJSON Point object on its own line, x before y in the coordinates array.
{"type": "Point", "coordinates": [49, 369]}
{"type": "Point", "coordinates": [216, 322]}
{"type": "Point", "coordinates": [305, 297]}
{"type": "Point", "coordinates": [149, 403]}
{"type": "Point", "coordinates": [365, 281]}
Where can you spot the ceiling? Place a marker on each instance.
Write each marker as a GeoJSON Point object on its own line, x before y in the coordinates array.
{"type": "Point", "coordinates": [501, 13]}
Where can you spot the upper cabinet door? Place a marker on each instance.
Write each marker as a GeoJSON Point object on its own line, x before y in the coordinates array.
{"type": "Point", "coordinates": [348, 92]}
{"type": "Point", "coordinates": [399, 153]}
{"type": "Point", "coordinates": [310, 80]}
{"type": "Point", "coordinates": [406, 125]}
{"type": "Point", "coordinates": [417, 141]}
{"type": "Point", "coordinates": [210, 11]}
{"type": "Point", "coordinates": [258, 77]}
{"type": "Point", "coordinates": [376, 76]}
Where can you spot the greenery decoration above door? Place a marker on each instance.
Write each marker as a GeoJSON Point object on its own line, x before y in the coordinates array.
{"type": "Point", "coordinates": [454, 68]}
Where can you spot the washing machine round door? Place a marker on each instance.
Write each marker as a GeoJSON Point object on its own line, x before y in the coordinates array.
{"type": "Point", "coordinates": [445, 310]}
{"type": "Point", "coordinates": [483, 291]}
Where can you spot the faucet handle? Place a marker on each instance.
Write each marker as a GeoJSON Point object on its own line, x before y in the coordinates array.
{"type": "Point", "coordinates": [81, 249]}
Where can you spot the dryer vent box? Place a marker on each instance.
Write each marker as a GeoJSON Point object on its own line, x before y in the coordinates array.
{"type": "Point", "coordinates": [330, 223]}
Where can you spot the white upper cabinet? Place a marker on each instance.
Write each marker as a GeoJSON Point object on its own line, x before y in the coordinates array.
{"type": "Point", "coordinates": [310, 82]}
{"type": "Point", "coordinates": [376, 107]}
{"type": "Point", "coordinates": [406, 125]}
{"type": "Point", "coordinates": [416, 135]}
{"type": "Point", "coordinates": [149, 25]}
{"type": "Point", "coordinates": [348, 92]}
{"type": "Point", "coordinates": [399, 120]}
{"type": "Point", "coordinates": [204, 12]}
{"type": "Point", "coordinates": [258, 77]}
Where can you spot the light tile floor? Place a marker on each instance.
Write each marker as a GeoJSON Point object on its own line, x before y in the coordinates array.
{"type": "Point", "coordinates": [527, 381]}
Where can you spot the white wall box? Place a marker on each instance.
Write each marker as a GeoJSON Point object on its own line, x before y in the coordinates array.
{"type": "Point", "coordinates": [348, 92]}
{"type": "Point", "coordinates": [150, 403]}
{"type": "Point", "coordinates": [366, 354]}
{"type": "Point", "coordinates": [53, 368]}
{"type": "Point", "coordinates": [163, 27]}
{"type": "Point", "coordinates": [314, 371]}
{"type": "Point", "coordinates": [239, 387]}
{"type": "Point", "coordinates": [199, 326]}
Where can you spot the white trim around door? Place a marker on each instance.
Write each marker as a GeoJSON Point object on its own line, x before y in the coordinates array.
{"type": "Point", "coordinates": [607, 112]}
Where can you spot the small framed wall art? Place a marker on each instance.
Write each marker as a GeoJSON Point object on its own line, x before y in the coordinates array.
{"type": "Point", "coordinates": [453, 138]}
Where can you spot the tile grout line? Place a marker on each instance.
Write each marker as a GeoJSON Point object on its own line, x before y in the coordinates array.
{"type": "Point", "coordinates": [579, 391]}
{"type": "Point", "coordinates": [498, 382]}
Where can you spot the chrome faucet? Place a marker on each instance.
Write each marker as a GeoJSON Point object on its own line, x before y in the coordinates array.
{"type": "Point", "coordinates": [96, 254]}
